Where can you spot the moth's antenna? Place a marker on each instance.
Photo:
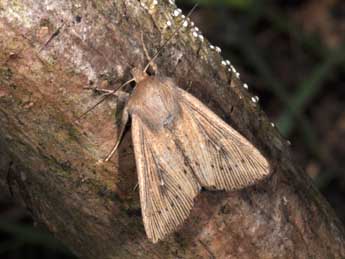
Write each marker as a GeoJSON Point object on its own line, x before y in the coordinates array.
{"type": "Point", "coordinates": [170, 37]}
{"type": "Point", "coordinates": [147, 66]}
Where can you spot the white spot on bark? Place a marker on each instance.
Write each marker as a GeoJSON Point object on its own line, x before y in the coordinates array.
{"type": "Point", "coordinates": [177, 12]}
{"type": "Point", "coordinates": [255, 99]}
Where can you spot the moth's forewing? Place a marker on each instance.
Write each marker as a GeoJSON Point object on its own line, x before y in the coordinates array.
{"type": "Point", "coordinates": [221, 157]}
{"type": "Point", "coordinates": [179, 146]}
{"type": "Point", "coordinates": [166, 184]}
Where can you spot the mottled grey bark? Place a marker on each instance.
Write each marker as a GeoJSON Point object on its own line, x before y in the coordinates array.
{"type": "Point", "coordinates": [49, 53]}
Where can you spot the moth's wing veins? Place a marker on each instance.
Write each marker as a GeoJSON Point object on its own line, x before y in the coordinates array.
{"type": "Point", "coordinates": [167, 185]}
{"type": "Point", "coordinates": [221, 157]}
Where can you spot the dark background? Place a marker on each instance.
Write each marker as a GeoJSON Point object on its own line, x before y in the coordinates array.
{"type": "Point", "coordinates": [291, 53]}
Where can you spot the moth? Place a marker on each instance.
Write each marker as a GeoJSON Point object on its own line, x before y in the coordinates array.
{"type": "Point", "coordinates": [181, 146]}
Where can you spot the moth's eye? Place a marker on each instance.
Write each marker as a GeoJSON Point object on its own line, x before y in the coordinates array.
{"type": "Point", "coordinates": [150, 71]}
{"type": "Point", "coordinates": [132, 84]}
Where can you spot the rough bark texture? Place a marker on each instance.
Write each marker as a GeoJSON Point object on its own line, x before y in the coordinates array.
{"type": "Point", "coordinates": [91, 206]}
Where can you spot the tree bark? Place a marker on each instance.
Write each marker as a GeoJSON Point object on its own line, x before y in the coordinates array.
{"type": "Point", "coordinates": [50, 52]}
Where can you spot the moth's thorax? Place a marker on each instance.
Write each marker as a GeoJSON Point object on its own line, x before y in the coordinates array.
{"type": "Point", "coordinates": [155, 101]}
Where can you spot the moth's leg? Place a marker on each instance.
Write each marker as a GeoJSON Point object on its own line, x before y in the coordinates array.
{"type": "Point", "coordinates": [104, 96]}
{"type": "Point", "coordinates": [106, 93]}
{"type": "Point", "coordinates": [101, 90]}
{"type": "Point", "coordinates": [124, 120]}
{"type": "Point", "coordinates": [110, 91]}
{"type": "Point", "coordinates": [151, 61]}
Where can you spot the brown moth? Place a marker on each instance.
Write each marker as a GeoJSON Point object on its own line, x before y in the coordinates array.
{"type": "Point", "coordinates": [181, 146]}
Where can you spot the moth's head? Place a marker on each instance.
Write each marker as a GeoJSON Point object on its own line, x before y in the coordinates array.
{"type": "Point", "coordinates": [138, 74]}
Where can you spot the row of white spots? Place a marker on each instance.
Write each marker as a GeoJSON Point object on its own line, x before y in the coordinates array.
{"type": "Point", "coordinates": [185, 23]}
{"type": "Point", "coordinates": [231, 68]}
{"type": "Point", "coordinates": [216, 48]}
{"type": "Point", "coordinates": [226, 62]}
{"type": "Point", "coordinates": [197, 34]}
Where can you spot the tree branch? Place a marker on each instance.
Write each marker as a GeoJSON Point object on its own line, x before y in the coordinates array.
{"type": "Point", "coordinates": [91, 206]}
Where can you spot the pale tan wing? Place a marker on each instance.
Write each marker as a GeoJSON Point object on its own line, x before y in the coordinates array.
{"type": "Point", "coordinates": [166, 181]}
{"type": "Point", "coordinates": [221, 157]}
